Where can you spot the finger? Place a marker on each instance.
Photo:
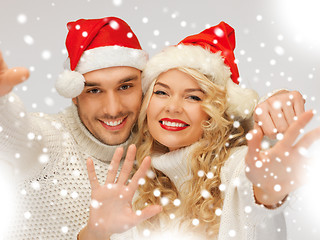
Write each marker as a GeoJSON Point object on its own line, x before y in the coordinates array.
{"type": "Point", "coordinates": [254, 138]}
{"type": "Point", "coordinates": [298, 105]}
{"type": "Point", "coordinates": [114, 165]}
{"type": "Point", "coordinates": [3, 65]}
{"type": "Point", "coordinates": [267, 126]}
{"type": "Point", "coordinates": [140, 174]}
{"type": "Point", "coordinates": [147, 213]}
{"type": "Point", "coordinates": [308, 139]}
{"type": "Point", "coordinates": [278, 120]}
{"type": "Point", "coordinates": [94, 183]}
{"type": "Point", "coordinates": [17, 75]}
{"type": "Point", "coordinates": [294, 129]}
{"type": "Point", "coordinates": [289, 113]}
{"type": "Point", "coordinates": [127, 165]}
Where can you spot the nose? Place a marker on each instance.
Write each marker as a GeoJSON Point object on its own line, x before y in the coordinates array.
{"type": "Point", "coordinates": [112, 105]}
{"type": "Point", "coordinates": [174, 105]}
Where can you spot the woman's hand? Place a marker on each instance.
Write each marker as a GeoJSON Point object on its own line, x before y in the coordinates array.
{"type": "Point", "coordinates": [277, 113]}
{"type": "Point", "coordinates": [111, 210]}
{"type": "Point", "coordinates": [281, 169]}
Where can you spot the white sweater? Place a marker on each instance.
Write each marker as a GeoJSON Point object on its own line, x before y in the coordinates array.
{"type": "Point", "coordinates": [48, 154]}
{"type": "Point", "coordinates": [241, 218]}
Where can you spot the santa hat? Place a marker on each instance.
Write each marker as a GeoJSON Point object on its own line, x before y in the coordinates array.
{"type": "Point", "coordinates": [211, 53]}
{"type": "Point", "coordinates": [95, 44]}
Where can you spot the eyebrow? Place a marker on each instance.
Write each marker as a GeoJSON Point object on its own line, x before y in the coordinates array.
{"type": "Point", "coordinates": [186, 90]}
{"type": "Point", "coordinates": [124, 80]}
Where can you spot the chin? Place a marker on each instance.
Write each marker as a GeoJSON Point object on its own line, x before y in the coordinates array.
{"type": "Point", "coordinates": [117, 141]}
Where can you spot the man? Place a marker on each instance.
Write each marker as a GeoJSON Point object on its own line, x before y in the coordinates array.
{"type": "Point", "coordinates": [49, 152]}
{"type": "Point", "coordinates": [104, 82]}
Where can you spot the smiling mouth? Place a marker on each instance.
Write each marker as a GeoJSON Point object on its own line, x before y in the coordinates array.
{"type": "Point", "coordinates": [173, 124]}
{"type": "Point", "coordinates": [114, 125]}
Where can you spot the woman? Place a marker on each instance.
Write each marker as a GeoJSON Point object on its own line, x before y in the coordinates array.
{"type": "Point", "coordinates": [193, 124]}
{"type": "Point", "coordinates": [191, 117]}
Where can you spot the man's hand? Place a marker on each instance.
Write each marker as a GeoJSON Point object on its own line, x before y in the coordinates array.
{"type": "Point", "coordinates": [275, 114]}
{"type": "Point", "coordinates": [111, 210]}
{"type": "Point", "coordinates": [11, 77]}
{"type": "Point", "coordinates": [281, 169]}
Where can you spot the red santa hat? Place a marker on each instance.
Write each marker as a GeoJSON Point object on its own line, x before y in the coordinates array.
{"type": "Point", "coordinates": [94, 44]}
{"type": "Point", "coordinates": [211, 53]}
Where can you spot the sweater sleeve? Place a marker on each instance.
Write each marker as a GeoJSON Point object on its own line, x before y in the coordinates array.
{"type": "Point", "coordinates": [19, 136]}
{"type": "Point", "coordinates": [241, 214]}
{"type": "Point", "coordinates": [130, 234]}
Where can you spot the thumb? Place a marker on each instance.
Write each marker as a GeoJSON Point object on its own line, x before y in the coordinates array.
{"type": "Point", "coordinates": [12, 77]}
{"type": "Point", "coordinates": [148, 212]}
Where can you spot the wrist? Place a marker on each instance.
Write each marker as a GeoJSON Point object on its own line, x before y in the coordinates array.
{"type": "Point", "coordinates": [88, 234]}
{"type": "Point", "coordinates": [269, 200]}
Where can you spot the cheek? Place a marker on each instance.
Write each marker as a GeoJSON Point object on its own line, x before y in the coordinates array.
{"type": "Point", "coordinates": [198, 114]}
{"type": "Point", "coordinates": [89, 107]}
{"type": "Point", "coordinates": [133, 102]}
{"type": "Point", "coordinates": [149, 117]}
{"type": "Point", "coordinates": [152, 110]}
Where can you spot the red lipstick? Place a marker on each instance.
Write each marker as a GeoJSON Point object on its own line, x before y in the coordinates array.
{"type": "Point", "coordinates": [173, 124]}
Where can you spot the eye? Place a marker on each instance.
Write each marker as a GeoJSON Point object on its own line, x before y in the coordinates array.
{"type": "Point", "coordinates": [194, 98]}
{"type": "Point", "coordinates": [124, 87]}
{"type": "Point", "coordinates": [94, 91]}
{"type": "Point", "coordinates": [159, 92]}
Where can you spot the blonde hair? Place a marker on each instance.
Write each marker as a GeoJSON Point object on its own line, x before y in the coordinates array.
{"type": "Point", "coordinates": [208, 154]}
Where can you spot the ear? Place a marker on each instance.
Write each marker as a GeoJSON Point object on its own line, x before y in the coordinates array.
{"type": "Point", "coordinates": [75, 101]}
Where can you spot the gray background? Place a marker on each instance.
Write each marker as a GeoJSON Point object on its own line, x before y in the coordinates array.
{"type": "Point", "coordinates": [277, 47]}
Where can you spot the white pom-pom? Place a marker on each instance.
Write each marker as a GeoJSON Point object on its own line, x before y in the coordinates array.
{"type": "Point", "coordinates": [70, 84]}
{"type": "Point", "coordinates": [241, 101]}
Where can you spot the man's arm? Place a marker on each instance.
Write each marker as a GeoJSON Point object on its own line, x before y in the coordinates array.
{"type": "Point", "coordinates": [19, 145]}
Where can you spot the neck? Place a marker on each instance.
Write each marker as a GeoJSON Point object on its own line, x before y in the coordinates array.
{"type": "Point", "coordinates": [174, 165]}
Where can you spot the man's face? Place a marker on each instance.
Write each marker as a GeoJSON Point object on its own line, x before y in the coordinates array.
{"type": "Point", "coordinates": [110, 103]}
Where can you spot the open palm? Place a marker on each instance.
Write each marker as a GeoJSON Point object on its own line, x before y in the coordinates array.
{"type": "Point", "coordinates": [111, 210]}
{"type": "Point", "coordinates": [281, 169]}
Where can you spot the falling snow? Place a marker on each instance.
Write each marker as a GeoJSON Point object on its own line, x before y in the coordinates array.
{"type": "Point", "coordinates": [22, 18]}
{"type": "Point", "coordinates": [28, 39]}
{"type": "Point", "coordinates": [280, 49]}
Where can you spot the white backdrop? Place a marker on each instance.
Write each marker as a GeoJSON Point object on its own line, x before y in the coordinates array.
{"type": "Point", "coordinates": [277, 47]}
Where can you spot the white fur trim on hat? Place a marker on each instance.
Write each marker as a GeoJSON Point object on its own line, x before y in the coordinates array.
{"type": "Point", "coordinates": [241, 101]}
{"type": "Point", "coordinates": [111, 56]}
{"type": "Point", "coordinates": [70, 84]}
{"type": "Point", "coordinates": [210, 64]}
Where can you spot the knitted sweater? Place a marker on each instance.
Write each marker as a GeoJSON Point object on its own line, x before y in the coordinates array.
{"type": "Point", "coordinates": [48, 154]}
{"type": "Point", "coordinates": [241, 218]}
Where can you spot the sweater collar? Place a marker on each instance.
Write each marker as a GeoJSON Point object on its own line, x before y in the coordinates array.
{"type": "Point", "coordinates": [87, 143]}
{"type": "Point", "coordinates": [174, 165]}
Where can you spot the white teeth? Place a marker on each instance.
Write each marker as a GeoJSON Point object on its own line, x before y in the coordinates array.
{"type": "Point", "coordinates": [113, 124]}
{"type": "Point", "coordinates": [173, 124]}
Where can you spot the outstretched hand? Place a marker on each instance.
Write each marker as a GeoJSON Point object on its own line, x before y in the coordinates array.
{"type": "Point", "coordinates": [282, 169]}
{"type": "Point", "coordinates": [277, 113]}
{"type": "Point", "coordinates": [111, 209]}
{"type": "Point", "coordinates": [11, 77]}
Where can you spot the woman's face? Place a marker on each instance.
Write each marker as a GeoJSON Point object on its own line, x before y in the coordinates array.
{"type": "Point", "coordinates": [174, 114]}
